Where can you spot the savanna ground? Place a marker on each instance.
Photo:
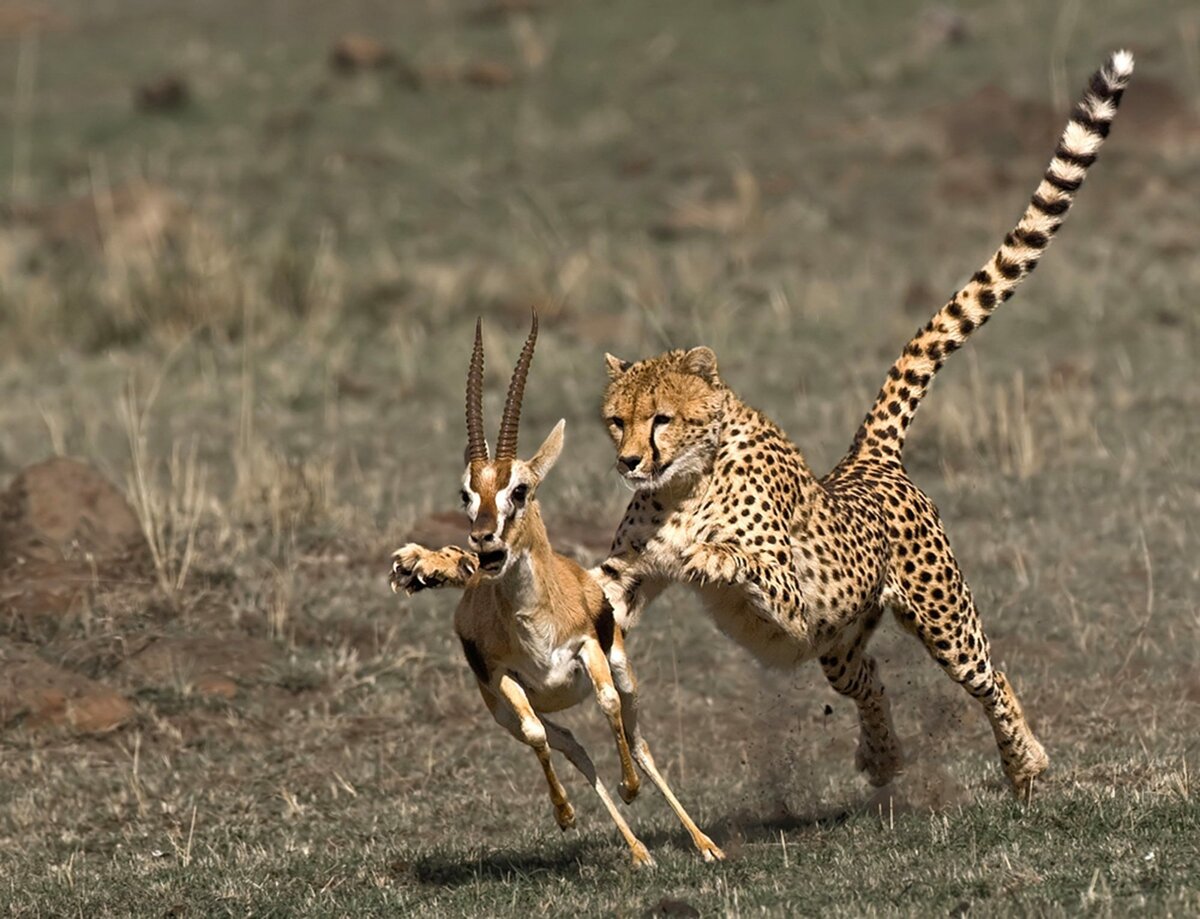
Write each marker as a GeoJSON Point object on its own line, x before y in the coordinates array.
{"type": "Point", "coordinates": [252, 312]}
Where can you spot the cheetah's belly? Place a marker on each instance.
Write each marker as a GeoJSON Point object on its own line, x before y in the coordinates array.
{"type": "Point", "coordinates": [773, 643]}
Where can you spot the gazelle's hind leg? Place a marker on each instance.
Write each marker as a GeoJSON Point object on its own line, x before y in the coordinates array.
{"type": "Point", "coordinates": [564, 742]}
{"type": "Point", "coordinates": [853, 673]}
{"type": "Point", "coordinates": [942, 614]}
{"type": "Point", "coordinates": [626, 684]}
{"type": "Point", "coordinates": [520, 720]}
{"type": "Point", "coordinates": [610, 703]}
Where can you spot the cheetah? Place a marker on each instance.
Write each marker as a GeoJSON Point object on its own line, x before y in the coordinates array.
{"type": "Point", "coordinates": [792, 566]}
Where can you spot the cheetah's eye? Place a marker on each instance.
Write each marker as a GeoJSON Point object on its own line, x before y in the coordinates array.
{"type": "Point", "coordinates": [616, 423]}
{"type": "Point", "coordinates": [519, 494]}
{"type": "Point", "coordinates": [660, 420]}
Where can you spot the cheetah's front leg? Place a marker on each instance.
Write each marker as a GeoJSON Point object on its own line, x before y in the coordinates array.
{"type": "Point", "coordinates": [417, 568]}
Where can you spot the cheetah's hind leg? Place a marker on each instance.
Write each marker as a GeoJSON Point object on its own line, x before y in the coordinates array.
{"type": "Point", "coordinates": [944, 617]}
{"type": "Point", "coordinates": [852, 672]}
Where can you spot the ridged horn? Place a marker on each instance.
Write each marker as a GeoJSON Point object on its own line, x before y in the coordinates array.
{"type": "Point", "coordinates": [477, 450]}
{"type": "Point", "coordinates": [506, 441]}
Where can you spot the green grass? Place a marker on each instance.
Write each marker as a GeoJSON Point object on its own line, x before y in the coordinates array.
{"type": "Point", "coordinates": [305, 321]}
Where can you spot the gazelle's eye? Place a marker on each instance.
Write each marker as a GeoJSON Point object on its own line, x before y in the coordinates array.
{"type": "Point", "coordinates": [616, 423]}
{"type": "Point", "coordinates": [519, 494]}
{"type": "Point", "coordinates": [662, 419]}
{"type": "Point", "coordinates": [465, 496]}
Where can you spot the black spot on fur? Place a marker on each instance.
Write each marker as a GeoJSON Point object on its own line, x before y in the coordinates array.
{"type": "Point", "coordinates": [1010, 269]}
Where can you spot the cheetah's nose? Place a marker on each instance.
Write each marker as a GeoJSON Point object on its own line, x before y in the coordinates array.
{"type": "Point", "coordinates": [629, 463]}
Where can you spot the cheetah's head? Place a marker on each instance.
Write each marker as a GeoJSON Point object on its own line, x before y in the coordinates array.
{"type": "Point", "coordinates": [664, 415]}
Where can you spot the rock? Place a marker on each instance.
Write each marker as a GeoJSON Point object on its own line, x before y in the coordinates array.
{"type": "Point", "coordinates": [487, 74]}
{"type": "Point", "coordinates": [37, 694]}
{"type": "Point", "coordinates": [166, 94]}
{"type": "Point", "coordinates": [98, 712]}
{"type": "Point", "coordinates": [218, 687]}
{"type": "Point", "coordinates": [352, 53]}
{"type": "Point", "coordinates": [64, 510]}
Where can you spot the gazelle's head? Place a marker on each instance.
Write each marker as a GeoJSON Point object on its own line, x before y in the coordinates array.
{"type": "Point", "coordinates": [498, 493]}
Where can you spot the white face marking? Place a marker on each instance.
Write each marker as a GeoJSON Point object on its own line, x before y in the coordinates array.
{"type": "Point", "coordinates": [472, 505]}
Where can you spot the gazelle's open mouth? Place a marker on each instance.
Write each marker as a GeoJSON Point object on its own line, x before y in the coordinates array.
{"type": "Point", "coordinates": [493, 561]}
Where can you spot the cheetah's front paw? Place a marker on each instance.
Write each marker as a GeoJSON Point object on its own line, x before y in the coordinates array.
{"type": "Point", "coordinates": [415, 568]}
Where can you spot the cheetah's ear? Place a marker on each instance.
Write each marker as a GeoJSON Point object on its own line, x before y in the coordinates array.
{"type": "Point", "coordinates": [702, 362]}
{"type": "Point", "coordinates": [616, 366]}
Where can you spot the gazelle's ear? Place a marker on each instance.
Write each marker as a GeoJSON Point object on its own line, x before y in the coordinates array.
{"type": "Point", "coordinates": [702, 362]}
{"type": "Point", "coordinates": [547, 455]}
{"type": "Point", "coordinates": [616, 366]}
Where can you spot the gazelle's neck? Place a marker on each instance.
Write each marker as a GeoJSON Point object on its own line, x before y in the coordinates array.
{"type": "Point", "coordinates": [524, 584]}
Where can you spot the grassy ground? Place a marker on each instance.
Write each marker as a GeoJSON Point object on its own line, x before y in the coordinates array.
{"type": "Point", "coordinates": [282, 276]}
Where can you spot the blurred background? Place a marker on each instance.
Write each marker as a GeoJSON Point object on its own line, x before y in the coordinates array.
{"type": "Point", "coordinates": [242, 247]}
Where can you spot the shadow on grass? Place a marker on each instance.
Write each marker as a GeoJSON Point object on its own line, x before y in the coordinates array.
{"type": "Point", "coordinates": [451, 867]}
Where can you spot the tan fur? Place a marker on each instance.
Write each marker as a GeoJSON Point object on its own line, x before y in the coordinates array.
{"type": "Point", "coordinates": [538, 633]}
{"type": "Point", "coordinates": [795, 567]}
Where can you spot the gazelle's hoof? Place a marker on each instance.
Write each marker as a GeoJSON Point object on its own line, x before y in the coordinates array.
{"type": "Point", "coordinates": [629, 791]}
{"type": "Point", "coordinates": [565, 815]}
{"type": "Point", "coordinates": [642, 857]}
{"type": "Point", "coordinates": [710, 850]}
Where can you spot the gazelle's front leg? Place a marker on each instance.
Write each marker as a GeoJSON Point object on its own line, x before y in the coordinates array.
{"type": "Point", "coordinates": [519, 719]}
{"type": "Point", "coordinates": [594, 659]}
{"type": "Point", "coordinates": [626, 684]}
{"type": "Point", "coordinates": [416, 568]}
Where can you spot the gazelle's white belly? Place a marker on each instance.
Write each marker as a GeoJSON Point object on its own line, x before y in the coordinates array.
{"type": "Point", "coordinates": [553, 678]}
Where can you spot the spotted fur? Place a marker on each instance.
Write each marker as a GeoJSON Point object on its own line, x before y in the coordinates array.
{"type": "Point", "coordinates": [794, 566]}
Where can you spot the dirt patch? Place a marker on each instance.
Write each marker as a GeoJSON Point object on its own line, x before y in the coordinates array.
{"type": "Point", "coordinates": [352, 53]}
{"type": "Point", "coordinates": [211, 665]}
{"type": "Point", "coordinates": [18, 18]}
{"type": "Point", "coordinates": [995, 123]}
{"type": "Point", "coordinates": [1161, 114]}
{"type": "Point", "coordinates": [37, 694]}
{"type": "Point", "coordinates": [121, 220]}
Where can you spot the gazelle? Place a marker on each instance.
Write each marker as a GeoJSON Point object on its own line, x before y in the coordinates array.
{"type": "Point", "coordinates": [535, 627]}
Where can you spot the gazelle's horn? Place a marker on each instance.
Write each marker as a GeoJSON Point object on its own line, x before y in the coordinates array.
{"type": "Point", "coordinates": [477, 450]}
{"type": "Point", "coordinates": [506, 441]}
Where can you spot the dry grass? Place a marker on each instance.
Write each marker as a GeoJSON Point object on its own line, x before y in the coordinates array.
{"type": "Point", "coordinates": [289, 269]}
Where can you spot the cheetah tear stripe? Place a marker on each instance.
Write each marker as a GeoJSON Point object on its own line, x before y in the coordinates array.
{"type": "Point", "coordinates": [883, 431]}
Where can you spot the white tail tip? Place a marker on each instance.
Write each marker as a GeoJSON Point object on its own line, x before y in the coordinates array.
{"type": "Point", "coordinates": [1122, 63]}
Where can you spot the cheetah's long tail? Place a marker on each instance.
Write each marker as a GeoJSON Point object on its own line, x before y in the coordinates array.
{"type": "Point", "coordinates": [883, 430]}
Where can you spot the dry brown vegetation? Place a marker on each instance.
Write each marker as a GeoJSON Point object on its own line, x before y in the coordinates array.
{"type": "Point", "coordinates": [248, 320]}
